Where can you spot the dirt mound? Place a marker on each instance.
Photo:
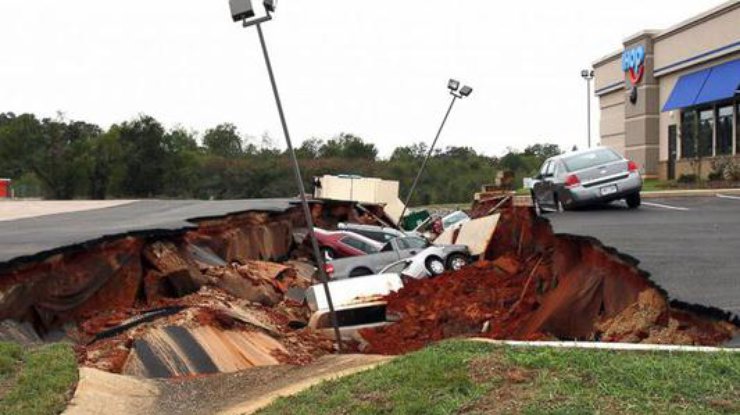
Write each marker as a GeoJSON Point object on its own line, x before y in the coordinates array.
{"type": "Point", "coordinates": [532, 285]}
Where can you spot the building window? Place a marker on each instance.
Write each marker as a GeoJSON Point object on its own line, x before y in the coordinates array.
{"type": "Point", "coordinates": [706, 132]}
{"type": "Point", "coordinates": [688, 134]}
{"type": "Point", "coordinates": [724, 130]}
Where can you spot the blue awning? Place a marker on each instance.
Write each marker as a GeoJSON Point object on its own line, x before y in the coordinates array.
{"type": "Point", "coordinates": [686, 90]}
{"type": "Point", "coordinates": [708, 85]}
{"type": "Point", "coordinates": [721, 84]}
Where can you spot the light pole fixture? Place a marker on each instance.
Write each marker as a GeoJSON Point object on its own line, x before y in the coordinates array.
{"type": "Point", "coordinates": [588, 75]}
{"type": "Point", "coordinates": [241, 10]}
{"type": "Point", "coordinates": [454, 86]}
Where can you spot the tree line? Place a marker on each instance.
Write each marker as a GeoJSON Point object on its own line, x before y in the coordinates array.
{"type": "Point", "coordinates": [56, 158]}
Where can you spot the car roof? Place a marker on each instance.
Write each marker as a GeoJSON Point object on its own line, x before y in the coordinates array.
{"type": "Point", "coordinates": [350, 226]}
{"type": "Point", "coordinates": [578, 152]}
{"type": "Point", "coordinates": [342, 234]}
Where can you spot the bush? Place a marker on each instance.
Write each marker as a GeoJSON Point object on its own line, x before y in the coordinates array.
{"type": "Point", "coordinates": [687, 178]}
{"type": "Point", "coordinates": [725, 168]}
{"type": "Point", "coordinates": [715, 176]}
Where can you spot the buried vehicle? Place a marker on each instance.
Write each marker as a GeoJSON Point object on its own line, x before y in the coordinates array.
{"type": "Point", "coordinates": [342, 244]}
{"type": "Point", "coordinates": [584, 178]}
{"type": "Point", "coordinates": [381, 234]}
{"type": "Point", "coordinates": [440, 258]}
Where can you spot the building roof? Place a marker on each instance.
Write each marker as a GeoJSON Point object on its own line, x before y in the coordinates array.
{"type": "Point", "coordinates": [686, 24]}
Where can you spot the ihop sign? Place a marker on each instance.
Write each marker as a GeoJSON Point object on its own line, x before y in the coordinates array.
{"type": "Point", "coordinates": [633, 62]}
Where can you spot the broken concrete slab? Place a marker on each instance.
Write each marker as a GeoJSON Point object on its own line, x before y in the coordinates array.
{"type": "Point", "coordinates": [100, 392]}
{"type": "Point", "coordinates": [174, 351]}
{"type": "Point", "coordinates": [21, 333]}
{"type": "Point", "coordinates": [353, 291]}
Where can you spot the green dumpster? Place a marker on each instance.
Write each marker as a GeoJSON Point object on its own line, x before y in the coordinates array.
{"type": "Point", "coordinates": [414, 219]}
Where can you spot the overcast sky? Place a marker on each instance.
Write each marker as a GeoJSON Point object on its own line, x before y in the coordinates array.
{"type": "Point", "coordinates": [377, 69]}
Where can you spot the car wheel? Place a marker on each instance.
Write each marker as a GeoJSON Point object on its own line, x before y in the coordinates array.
{"type": "Point", "coordinates": [328, 253]}
{"type": "Point", "coordinates": [456, 261]}
{"type": "Point", "coordinates": [360, 272]}
{"type": "Point", "coordinates": [435, 265]}
{"type": "Point", "coordinates": [537, 207]}
{"type": "Point", "coordinates": [559, 205]}
{"type": "Point", "coordinates": [634, 200]}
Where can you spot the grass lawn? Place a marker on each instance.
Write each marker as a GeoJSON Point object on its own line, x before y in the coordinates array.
{"type": "Point", "coordinates": [469, 377]}
{"type": "Point", "coordinates": [36, 380]}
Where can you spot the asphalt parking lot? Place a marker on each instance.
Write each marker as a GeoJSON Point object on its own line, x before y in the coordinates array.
{"type": "Point", "coordinates": [690, 245]}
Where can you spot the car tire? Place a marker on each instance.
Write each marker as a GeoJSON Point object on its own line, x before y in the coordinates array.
{"type": "Point", "coordinates": [633, 200]}
{"type": "Point", "coordinates": [559, 205]}
{"type": "Point", "coordinates": [457, 261]}
{"type": "Point", "coordinates": [360, 272]}
{"type": "Point", "coordinates": [435, 266]}
{"type": "Point", "coordinates": [537, 207]}
{"type": "Point", "coordinates": [327, 253]}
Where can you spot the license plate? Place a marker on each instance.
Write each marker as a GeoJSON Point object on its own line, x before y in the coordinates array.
{"type": "Point", "coordinates": [608, 190]}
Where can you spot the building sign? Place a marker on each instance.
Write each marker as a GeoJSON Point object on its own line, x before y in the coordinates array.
{"type": "Point", "coordinates": [633, 62]}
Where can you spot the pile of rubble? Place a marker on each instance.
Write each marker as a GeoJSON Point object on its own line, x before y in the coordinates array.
{"type": "Point", "coordinates": [222, 298]}
{"type": "Point", "coordinates": [535, 285]}
{"type": "Point", "coordinates": [230, 295]}
{"type": "Point", "coordinates": [204, 317]}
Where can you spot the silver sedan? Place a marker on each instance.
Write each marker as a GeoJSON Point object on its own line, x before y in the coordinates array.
{"type": "Point", "coordinates": [586, 177]}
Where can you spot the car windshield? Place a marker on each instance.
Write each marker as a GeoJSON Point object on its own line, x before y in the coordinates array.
{"type": "Point", "coordinates": [395, 268]}
{"type": "Point", "coordinates": [453, 219]}
{"type": "Point", "coordinates": [358, 244]}
{"type": "Point", "coordinates": [591, 159]}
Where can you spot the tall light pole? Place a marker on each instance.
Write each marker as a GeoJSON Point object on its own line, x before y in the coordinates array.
{"type": "Point", "coordinates": [588, 75]}
{"type": "Point", "coordinates": [456, 92]}
{"type": "Point", "coordinates": [241, 10]}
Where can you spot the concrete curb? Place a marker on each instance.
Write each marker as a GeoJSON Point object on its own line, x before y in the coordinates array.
{"type": "Point", "coordinates": [689, 193]}
{"type": "Point", "coordinates": [525, 200]}
{"type": "Point", "coordinates": [253, 406]}
{"type": "Point", "coordinates": [609, 346]}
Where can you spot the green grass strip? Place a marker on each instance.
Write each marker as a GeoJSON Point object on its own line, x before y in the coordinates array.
{"type": "Point", "coordinates": [43, 381]}
{"type": "Point", "coordinates": [466, 377]}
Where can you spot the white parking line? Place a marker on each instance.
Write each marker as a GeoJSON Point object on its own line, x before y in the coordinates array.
{"type": "Point", "coordinates": [658, 205]}
{"type": "Point", "coordinates": [728, 197]}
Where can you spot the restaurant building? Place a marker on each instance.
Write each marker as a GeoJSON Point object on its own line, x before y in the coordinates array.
{"type": "Point", "coordinates": [670, 99]}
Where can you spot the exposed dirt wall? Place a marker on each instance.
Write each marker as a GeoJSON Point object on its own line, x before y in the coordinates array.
{"type": "Point", "coordinates": [533, 284]}
{"type": "Point", "coordinates": [120, 273]}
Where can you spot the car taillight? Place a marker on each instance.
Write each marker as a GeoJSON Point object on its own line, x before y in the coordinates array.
{"type": "Point", "coordinates": [632, 166]}
{"type": "Point", "coordinates": [572, 181]}
{"type": "Point", "coordinates": [329, 269]}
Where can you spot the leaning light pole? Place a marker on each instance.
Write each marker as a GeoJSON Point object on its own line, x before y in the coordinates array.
{"type": "Point", "coordinates": [588, 75]}
{"type": "Point", "coordinates": [456, 92]}
{"type": "Point", "coordinates": [241, 10]}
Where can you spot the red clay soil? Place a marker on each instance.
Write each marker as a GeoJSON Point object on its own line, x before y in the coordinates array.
{"type": "Point", "coordinates": [536, 285]}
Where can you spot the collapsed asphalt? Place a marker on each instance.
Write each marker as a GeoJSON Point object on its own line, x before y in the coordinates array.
{"type": "Point", "coordinates": [30, 237]}
{"type": "Point", "coordinates": [690, 246]}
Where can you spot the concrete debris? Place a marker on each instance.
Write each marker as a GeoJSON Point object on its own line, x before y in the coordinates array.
{"type": "Point", "coordinates": [347, 292]}
{"type": "Point", "coordinates": [231, 294]}
{"type": "Point", "coordinates": [175, 351]}
{"type": "Point", "coordinates": [212, 332]}
{"type": "Point", "coordinates": [252, 235]}
{"type": "Point", "coordinates": [22, 333]}
{"type": "Point", "coordinates": [535, 285]}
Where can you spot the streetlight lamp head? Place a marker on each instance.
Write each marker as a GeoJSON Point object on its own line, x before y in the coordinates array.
{"type": "Point", "coordinates": [270, 5]}
{"type": "Point", "coordinates": [241, 9]}
{"type": "Point", "coordinates": [453, 85]}
{"type": "Point", "coordinates": [586, 74]}
{"type": "Point", "coordinates": [466, 91]}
